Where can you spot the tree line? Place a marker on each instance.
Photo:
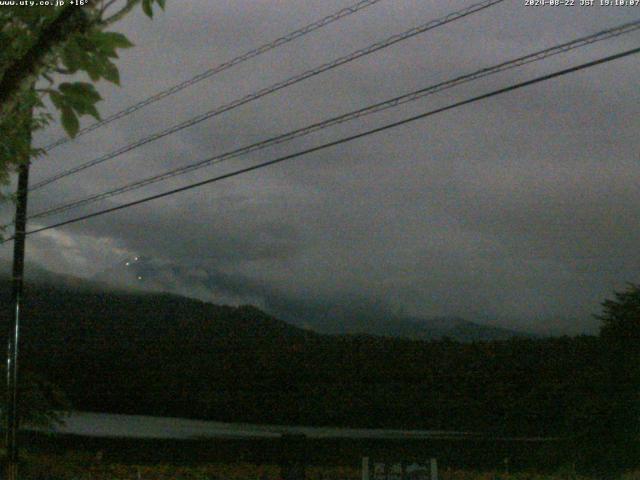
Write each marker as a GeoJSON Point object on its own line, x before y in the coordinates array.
{"type": "Point", "coordinates": [160, 354]}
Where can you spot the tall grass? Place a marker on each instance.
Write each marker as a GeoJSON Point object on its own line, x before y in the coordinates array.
{"type": "Point", "coordinates": [83, 466]}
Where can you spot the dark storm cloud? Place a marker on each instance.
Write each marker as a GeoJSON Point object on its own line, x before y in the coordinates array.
{"type": "Point", "coordinates": [522, 209]}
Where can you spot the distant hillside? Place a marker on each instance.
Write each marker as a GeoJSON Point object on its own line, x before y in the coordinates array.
{"type": "Point", "coordinates": [433, 328]}
{"type": "Point", "coordinates": [162, 354]}
{"type": "Point", "coordinates": [348, 317]}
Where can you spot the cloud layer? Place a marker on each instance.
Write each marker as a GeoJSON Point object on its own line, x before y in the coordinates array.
{"type": "Point", "coordinates": [522, 209]}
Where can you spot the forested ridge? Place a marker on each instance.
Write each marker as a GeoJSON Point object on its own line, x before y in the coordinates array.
{"type": "Point", "coordinates": [163, 354]}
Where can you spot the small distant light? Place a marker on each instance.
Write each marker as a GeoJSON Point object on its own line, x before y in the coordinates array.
{"type": "Point", "coordinates": [127, 264]}
{"type": "Point", "coordinates": [139, 278]}
{"type": "Point", "coordinates": [136, 259]}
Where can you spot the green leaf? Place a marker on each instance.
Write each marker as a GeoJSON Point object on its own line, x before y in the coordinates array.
{"type": "Point", "coordinates": [80, 92]}
{"type": "Point", "coordinates": [146, 8]}
{"type": "Point", "coordinates": [73, 56]}
{"type": "Point", "coordinates": [94, 68]}
{"type": "Point", "coordinates": [115, 39]}
{"type": "Point", "coordinates": [70, 121]}
{"type": "Point", "coordinates": [91, 110]}
{"type": "Point", "coordinates": [110, 73]}
{"type": "Point", "coordinates": [56, 99]}
{"type": "Point", "coordinates": [104, 44]}
{"type": "Point", "coordinates": [85, 42]}
{"type": "Point", "coordinates": [80, 97]}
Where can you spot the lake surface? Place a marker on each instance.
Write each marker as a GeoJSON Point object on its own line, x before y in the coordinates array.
{"type": "Point", "coordinates": [139, 426]}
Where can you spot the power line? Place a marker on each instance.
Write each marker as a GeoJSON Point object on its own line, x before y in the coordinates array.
{"type": "Point", "coordinates": [219, 68]}
{"type": "Point", "coordinates": [275, 87]}
{"type": "Point", "coordinates": [409, 97]}
{"type": "Point", "coordinates": [340, 141]}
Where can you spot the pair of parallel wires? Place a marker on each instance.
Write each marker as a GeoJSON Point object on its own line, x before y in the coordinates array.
{"type": "Point", "coordinates": [377, 107]}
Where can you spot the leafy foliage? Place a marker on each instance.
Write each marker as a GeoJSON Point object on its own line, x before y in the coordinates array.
{"type": "Point", "coordinates": [82, 466]}
{"type": "Point", "coordinates": [196, 359]}
{"type": "Point", "coordinates": [42, 402]}
{"type": "Point", "coordinates": [41, 43]}
{"type": "Point", "coordinates": [166, 355]}
{"type": "Point", "coordinates": [75, 99]}
{"type": "Point", "coordinates": [621, 316]}
{"type": "Point", "coordinates": [618, 388]}
{"type": "Point", "coordinates": [147, 6]}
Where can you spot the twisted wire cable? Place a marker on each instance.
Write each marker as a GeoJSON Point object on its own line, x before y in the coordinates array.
{"type": "Point", "coordinates": [274, 88]}
{"type": "Point", "coordinates": [340, 141]}
{"type": "Point", "coordinates": [218, 69]}
{"type": "Point", "coordinates": [371, 109]}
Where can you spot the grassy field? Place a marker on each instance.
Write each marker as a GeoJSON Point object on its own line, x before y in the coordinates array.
{"type": "Point", "coordinates": [81, 466]}
{"type": "Point", "coordinates": [65, 457]}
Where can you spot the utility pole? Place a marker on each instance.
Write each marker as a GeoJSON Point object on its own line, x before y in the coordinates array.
{"type": "Point", "coordinates": [11, 472]}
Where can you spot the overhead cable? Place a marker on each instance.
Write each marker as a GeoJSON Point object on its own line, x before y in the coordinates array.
{"type": "Point", "coordinates": [339, 142]}
{"type": "Point", "coordinates": [218, 69]}
{"type": "Point", "coordinates": [274, 88]}
{"type": "Point", "coordinates": [378, 107]}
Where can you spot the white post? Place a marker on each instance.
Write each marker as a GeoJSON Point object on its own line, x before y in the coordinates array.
{"type": "Point", "coordinates": [365, 468]}
{"type": "Point", "coordinates": [434, 469]}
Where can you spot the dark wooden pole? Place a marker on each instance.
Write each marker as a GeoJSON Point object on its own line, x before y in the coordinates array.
{"type": "Point", "coordinates": [14, 327]}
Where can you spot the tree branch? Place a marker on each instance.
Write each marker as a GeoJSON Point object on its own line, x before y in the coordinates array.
{"type": "Point", "coordinates": [104, 7]}
{"type": "Point", "coordinates": [119, 14]}
{"type": "Point", "coordinates": [23, 71]}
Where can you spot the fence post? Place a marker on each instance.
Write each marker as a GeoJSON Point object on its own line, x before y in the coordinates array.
{"type": "Point", "coordinates": [365, 468]}
{"type": "Point", "coordinates": [434, 469]}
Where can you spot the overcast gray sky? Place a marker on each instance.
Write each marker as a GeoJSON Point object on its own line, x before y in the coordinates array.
{"type": "Point", "coordinates": [521, 210]}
